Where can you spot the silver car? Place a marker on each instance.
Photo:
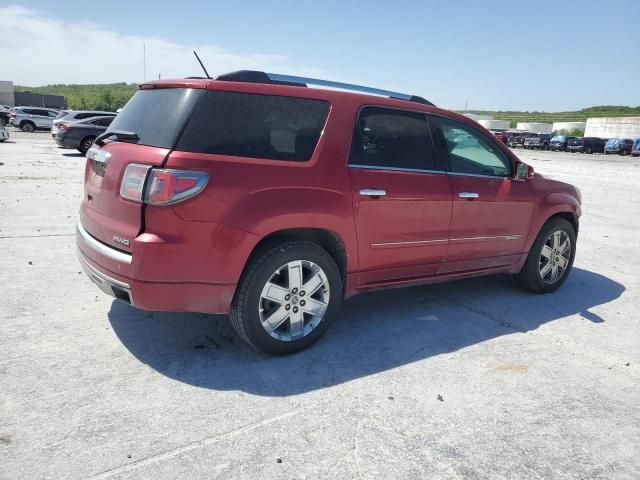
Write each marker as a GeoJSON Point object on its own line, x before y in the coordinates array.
{"type": "Point", "coordinates": [76, 115]}
{"type": "Point", "coordinates": [29, 119]}
{"type": "Point", "coordinates": [4, 134]}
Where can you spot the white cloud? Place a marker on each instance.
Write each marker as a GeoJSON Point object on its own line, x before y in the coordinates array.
{"type": "Point", "coordinates": [37, 50]}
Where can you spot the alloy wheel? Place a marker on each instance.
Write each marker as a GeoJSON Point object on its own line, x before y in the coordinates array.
{"type": "Point", "coordinates": [555, 256]}
{"type": "Point", "coordinates": [294, 300]}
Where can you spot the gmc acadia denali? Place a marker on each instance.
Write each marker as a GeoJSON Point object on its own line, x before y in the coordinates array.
{"type": "Point", "coordinates": [259, 196]}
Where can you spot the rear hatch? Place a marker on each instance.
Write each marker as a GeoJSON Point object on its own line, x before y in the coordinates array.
{"type": "Point", "coordinates": [144, 132]}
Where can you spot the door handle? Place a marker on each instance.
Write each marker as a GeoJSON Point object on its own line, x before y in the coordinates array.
{"type": "Point", "coordinates": [372, 192]}
{"type": "Point", "coordinates": [468, 195]}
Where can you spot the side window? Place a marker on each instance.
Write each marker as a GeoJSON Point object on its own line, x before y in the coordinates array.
{"type": "Point", "coordinates": [470, 152]}
{"type": "Point", "coordinates": [385, 137]}
{"type": "Point", "coordinates": [268, 127]}
{"type": "Point", "coordinates": [52, 114]}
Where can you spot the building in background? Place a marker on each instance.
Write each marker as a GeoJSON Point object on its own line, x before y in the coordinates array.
{"type": "Point", "coordinates": [495, 124]}
{"type": "Point", "coordinates": [476, 117]}
{"type": "Point", "coordinates": [557, 126]}
{"type": "Point", "coordinates": [6, 93]}
{"type": "Point", "coordinates": [535, 127]}
{"type": "Point", "coordinates": [613, 127]}
{"type": "Point", "coordinates": [8, 96]}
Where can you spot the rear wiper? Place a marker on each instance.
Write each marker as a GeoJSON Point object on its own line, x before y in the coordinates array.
{"type": "Point", "coordinates": [118, 134]}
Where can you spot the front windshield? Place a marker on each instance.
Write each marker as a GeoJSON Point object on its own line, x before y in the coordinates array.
{"type": "Point", "coordinates": [558, 138]}
{"type": "Point", "coordinates": [612, 142]}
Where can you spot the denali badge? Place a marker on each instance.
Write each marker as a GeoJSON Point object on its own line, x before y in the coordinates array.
{"type": "Point", "coordinates": [121, 240]}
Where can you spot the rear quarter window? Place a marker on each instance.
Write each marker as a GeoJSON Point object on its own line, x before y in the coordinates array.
{"type": "Point", "coordinates": [267, 127]}
{"type": "Point", "coordinates": [157, 115]}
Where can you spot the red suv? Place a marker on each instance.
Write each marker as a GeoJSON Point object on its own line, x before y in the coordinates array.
{"type": "Point", "coordinates": [255, 195]}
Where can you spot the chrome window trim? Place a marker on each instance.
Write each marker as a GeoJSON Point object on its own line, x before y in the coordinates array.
{"type": "Point", "coordinates": [461, 174]}
{"type": "Point", "coordinates": [101, 248]}
{"type": "Point", "coordinates": [397, 169]}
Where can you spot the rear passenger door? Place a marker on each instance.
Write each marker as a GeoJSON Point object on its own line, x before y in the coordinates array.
{"type": "Point", "coordinates": [401, 196]}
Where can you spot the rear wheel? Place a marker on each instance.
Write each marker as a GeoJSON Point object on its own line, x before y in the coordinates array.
{"type": "Point", "coordinates": [86, 144]}
{"type": "Point", "coordinates": [286, 297]}
{"type": "Point", "coordinates": [3, 121]}
{"type": "Point", "coordinates": [550, 258]}
{"type": "Point", "coordinates": [27, 127]}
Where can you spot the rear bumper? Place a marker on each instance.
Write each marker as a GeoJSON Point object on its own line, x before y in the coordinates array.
{"type": "Point", "coordinates": [157, 296]}
{"type": "Point", "coordinates": [66, 142]}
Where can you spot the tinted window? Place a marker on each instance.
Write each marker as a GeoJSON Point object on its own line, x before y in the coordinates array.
{"type": "Point", "coordinates": [392, 138]}
{"type": "Point", "coordinates": [471, 152]}
{"type": "Point", "coordinates": [257, 126]}
{"type": "Point", "coordinates": [157, 115]}
{"type": "Point", "coordinates": [102, 122]}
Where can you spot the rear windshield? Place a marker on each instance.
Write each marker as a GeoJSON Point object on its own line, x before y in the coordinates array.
{"type": "Point", "coordinates": [157, 115]}
{"type": "Point", "coordinates": [257, 126]}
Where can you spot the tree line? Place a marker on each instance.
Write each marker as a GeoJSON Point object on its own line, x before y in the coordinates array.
{"type": "Point", "coordinates": [107, 97]}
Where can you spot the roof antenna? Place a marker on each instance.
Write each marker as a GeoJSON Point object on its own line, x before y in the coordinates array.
{"type": "Point", "coordinates": [202, 65]}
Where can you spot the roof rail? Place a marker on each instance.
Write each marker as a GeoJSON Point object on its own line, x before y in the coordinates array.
{"type": "Point", "coordinates": [280, 79]}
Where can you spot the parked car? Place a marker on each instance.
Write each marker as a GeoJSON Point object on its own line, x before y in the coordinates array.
{"type": "Point", "coordinates": [30, 119]}
{"type": "Point", "coordinates": [5, 112]}
{"type": "Point", "coordinates": [516, 139]}
{"type": "Point", "coordinates": [586, 145]}
{"type": "Point", "coordinates": [80, 135]}
{"type": "Point", "coordinates": [635, 151]}
{"type": "Point", "coordinates": [500, 135]}
{"type": "Point", "coordinates": [4, 133]}
{"type": "Point", "coordinates": [621, 146]}
{"type": "Point", "coordinates": [75, 115]}
{"type": "Point", "coordinates": [560, 143]}
{"type": "Point", "coordinates": [245, 195]}
{"type": "Point", "coordinates": [539, 141]}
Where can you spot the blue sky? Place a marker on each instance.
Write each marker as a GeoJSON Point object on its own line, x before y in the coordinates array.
{"type": "Point", "coordinates": [492, 55]}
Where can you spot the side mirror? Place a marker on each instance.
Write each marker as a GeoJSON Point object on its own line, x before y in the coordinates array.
{"type": "Point", "coordinates": [524, 171]}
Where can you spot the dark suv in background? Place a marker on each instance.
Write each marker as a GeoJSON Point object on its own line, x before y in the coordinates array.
{"type": "Point", "coordinates": [560, 142]}
{"type": "Point", "coordinates": [586, 145]}
{"type": "Point", "coordinates": [537, 141]}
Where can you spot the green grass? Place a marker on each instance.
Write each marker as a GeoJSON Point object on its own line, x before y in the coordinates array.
{"type": "Point", "coordinates": [550, 117]}
{"type": "Point", "coordinates": [109, 96]}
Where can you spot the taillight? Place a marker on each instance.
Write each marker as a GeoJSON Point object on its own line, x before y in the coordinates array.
{"type": "Point", "coordinates": [132, 185]}
{"type": "Point", "coordinates": [163, 186]}
{"type": "Point", "coordinates": [64, 126]}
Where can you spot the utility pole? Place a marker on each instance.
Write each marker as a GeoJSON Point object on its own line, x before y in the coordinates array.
{"type": "Point", "coordinates": [144, 61]}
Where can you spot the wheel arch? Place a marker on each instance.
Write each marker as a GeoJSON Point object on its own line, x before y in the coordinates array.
{"type": "Point", "coordinates": [327, 239]}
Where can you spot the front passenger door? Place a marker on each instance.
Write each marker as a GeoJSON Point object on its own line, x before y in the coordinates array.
{"type": "Point", "coordinates": [491, 209]}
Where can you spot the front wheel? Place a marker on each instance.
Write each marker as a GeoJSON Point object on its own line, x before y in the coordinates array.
{"type": "Point", "coordinates": [550, 258]}
{"type": "Point", "coordinates": [27, 127]}
{"type": "Point", "coordinates": [286, 297]}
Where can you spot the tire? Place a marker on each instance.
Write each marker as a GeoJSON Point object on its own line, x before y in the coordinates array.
{"type": "Point", "coordinates": [270, 267]}
{"type": "Point", "coordinates": [28, 127]}
{"type": "Point", "coordinates": [3, 121]}
{"type": "Point", "coordinates": [86, 144]}
{"type": "Point", "coordinates": [531, 277]}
